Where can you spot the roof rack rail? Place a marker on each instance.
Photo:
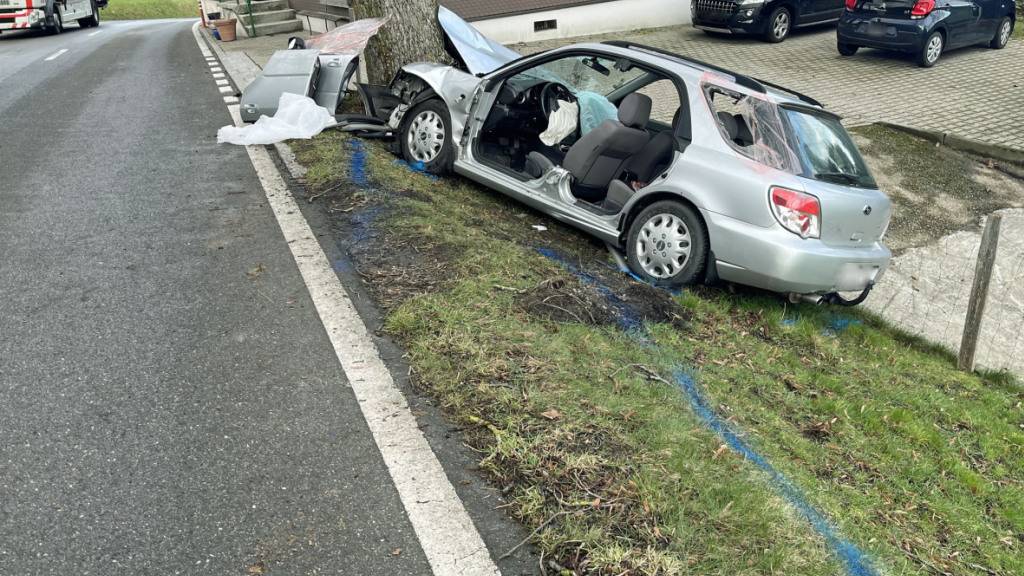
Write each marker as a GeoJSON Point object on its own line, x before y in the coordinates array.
{"type": "Point", "coordinates": [754, 84]}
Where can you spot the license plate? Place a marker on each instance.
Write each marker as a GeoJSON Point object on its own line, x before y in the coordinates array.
{"type": "Point", "coordinates": [876, 29]}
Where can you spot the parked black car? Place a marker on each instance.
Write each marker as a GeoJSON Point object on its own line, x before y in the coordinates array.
{"type": "Point", "coordinates": [772, 19]}
{"type": "Point", "coordinates": [925, 28]}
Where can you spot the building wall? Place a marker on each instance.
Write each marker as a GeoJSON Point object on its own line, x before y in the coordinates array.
{"type": "Point", "coordinates": [615, 16]}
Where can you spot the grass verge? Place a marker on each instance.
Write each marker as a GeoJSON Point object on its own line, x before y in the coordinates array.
{"type": "Point", "coordinates": [577, 415]}
{"type": "Point", "coordinates": [146, 9]}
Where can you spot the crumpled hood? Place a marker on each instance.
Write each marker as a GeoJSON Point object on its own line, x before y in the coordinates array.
{"type": "Point", "coordinates": [479, 53]}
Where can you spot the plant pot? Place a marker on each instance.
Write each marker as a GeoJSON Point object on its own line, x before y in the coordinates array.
{"type": "Point", "coordinates": [226, 29]}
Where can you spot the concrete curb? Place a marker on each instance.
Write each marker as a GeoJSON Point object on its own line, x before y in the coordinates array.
{"type": "Point", "coordinates": [962, 144]}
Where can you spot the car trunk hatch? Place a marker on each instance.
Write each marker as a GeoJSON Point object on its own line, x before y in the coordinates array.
{"type": "Point", "coordinates": [885, 8]}
{"type": "Point", "coordinates": [852, 216]}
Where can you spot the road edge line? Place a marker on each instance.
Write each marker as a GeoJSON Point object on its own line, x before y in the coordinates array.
{"type": "Point", "coordinates": [446, 533]}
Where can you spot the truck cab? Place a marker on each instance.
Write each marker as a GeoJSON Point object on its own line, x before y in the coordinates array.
{"type": "Point", "coordinates": [50, 15]}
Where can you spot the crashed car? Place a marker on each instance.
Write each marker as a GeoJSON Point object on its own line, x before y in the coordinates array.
{"type": "Point", "coordinates": [695, 172]}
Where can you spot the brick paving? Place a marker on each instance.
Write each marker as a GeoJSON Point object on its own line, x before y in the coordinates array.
{"type": "Point", "coordinates": [976, 93]}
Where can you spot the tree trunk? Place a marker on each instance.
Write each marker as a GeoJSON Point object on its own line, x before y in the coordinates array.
{"type": "Point", "coordinates": [412, 34]}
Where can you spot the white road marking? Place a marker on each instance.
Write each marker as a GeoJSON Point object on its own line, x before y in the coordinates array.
{"type": "Point", "coordinates": [95, 33]}
{"type": "Point", "coordinates": [222, 82]}
{"type": "Point", "coordinates": [449, 539]}
{"type": "Point", "coordinates": [226, 90]}
{"type": "Point", "coordinates": [216, 69]}
{"type": "Point", "coordinates": [230, 100]}
{"type": "Point", "coordinates": [218, 74]}
{"type": "Point", "coordinates": [56, 54]}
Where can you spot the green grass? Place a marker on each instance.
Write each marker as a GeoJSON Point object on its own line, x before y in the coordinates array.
{"type": "Point", "coordinates": [915, 462]}
{"type": "Point", "coordinates": [145, 9]}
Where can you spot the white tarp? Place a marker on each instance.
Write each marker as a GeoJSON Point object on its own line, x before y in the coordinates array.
{"type": "Point", "coordinates": [297, 117]}
{"type": "Point", "coordinates": [480, 53]}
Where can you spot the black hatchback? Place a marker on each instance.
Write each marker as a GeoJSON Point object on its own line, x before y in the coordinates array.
{"type": "Point", "coordinates": [925, 28]}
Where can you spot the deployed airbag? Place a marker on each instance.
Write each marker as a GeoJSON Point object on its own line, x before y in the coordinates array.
{"type": "Point", "coordinates": [561, 123]}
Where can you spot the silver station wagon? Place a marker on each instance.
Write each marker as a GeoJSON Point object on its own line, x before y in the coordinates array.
{"type": "Point", "coordinates": [694, 172]}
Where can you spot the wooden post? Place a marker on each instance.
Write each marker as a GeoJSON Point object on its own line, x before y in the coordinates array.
{"type": "Point", "coordinates": [979, 291]}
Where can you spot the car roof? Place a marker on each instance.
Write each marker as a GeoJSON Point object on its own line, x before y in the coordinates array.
{"type": "Point", "coordinates": [695, 70]}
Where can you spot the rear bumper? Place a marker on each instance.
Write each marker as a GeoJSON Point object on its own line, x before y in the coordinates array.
{"type": "Point", "coordinates": [22, 19]}
{"type": "Point", "coordinates": [774, 259]}
{"type": "Point", "coordinates": [884, 33]}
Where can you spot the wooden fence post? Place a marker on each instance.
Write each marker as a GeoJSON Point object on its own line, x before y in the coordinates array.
{"type": "Point", "coordinates": [979, 291]}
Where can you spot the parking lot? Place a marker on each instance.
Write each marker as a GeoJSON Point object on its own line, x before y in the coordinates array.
{"type": "Point", "coordinates": [976, 93]}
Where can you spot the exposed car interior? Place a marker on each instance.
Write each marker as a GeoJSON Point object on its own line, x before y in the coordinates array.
{"type": "Point", "coordinates": [614, 148]}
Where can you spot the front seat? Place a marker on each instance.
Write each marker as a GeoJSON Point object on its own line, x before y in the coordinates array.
{"type": "Point", "coordinates": [598, 157]}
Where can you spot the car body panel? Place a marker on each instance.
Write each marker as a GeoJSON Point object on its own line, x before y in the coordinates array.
{"type": "Point", "coordinates": [322, 77]}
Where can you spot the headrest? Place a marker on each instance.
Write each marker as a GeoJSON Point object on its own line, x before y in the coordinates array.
{"type": "Point", "coordinates": [729, 124]}
{"type": "Point", "coordinates": [635, 110]}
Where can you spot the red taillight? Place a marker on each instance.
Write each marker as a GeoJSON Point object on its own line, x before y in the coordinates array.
{"type": "Point", "coordinates": [797, 212]}
{"type": "Point", "coordinates": [851, 5]}
{"type": "Point", "coordinates": [922, 8]}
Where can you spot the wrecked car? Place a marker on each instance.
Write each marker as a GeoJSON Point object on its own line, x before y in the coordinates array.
{"type": "Point", "coordinates": [693, 171]}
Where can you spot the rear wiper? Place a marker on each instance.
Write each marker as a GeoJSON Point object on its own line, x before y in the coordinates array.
{"type": "Point", "coordinates": [841, 176]}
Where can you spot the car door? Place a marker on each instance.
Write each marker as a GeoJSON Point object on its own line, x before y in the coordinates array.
{"type": "Point", "coordinates": [962, 22]}
{"type": "Point", "coordinates": [992, 11]}
{"type": "Point", "coordinates": [828, 9]}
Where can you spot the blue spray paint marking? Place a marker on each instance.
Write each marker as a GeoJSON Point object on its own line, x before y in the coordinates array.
{"type": "Point", "coordinates": [418, 167]}
{"type": "Point", "coordinates": [362, 223]}
{"type": "Point", "coordinates": [835, 324]}
{"type": "Point", "coordinates": [357, 164]}
{"type": "Point", "coordinates": [855, 561]}
{"type": "Point", "coordinates": [788, 322]}
{"type": "Point", "coordinates": [627, 318]}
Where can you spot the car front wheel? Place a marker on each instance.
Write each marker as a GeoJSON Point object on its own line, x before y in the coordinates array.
{"type": "Point", "coordinates": [932, 50]}
{"type": "Point", "coordinates": [1002, 34]}
{"type": "Point", "coordinates": [847, 49]}
{"type": "Point", "coordinates": [426, 137]}
{"type": "Point", "coordinates": [780, 22]}
{"type": "Point", "coordinates": [667, 244]}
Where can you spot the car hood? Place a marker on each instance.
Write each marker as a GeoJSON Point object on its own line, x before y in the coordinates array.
{"type": "Point", "coordinates": [466, 44]}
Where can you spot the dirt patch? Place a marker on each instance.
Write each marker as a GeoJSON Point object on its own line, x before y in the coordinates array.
{"type": "Point", "coordinates": [935, 190]}
{"type": "Point", "coordinates": [566, 300]}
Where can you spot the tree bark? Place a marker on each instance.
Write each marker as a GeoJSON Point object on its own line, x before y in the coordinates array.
{"type": "Point", "coordinates": [412, 34]}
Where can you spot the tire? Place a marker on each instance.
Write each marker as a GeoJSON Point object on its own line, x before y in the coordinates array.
{"type": "Point", "coordinates": [932, 50]}
{"type": "Point", "coordinates": [651, 257]}
{"type": "Point", "coordinates": [847, 49]}
{"type": "Point", "coordinates": [780, 24]}
{"type": "Point", "coordinates": [57, 26]}
{"type": "Point", "coordinates": [424, 123]}
{"type": "Point", "coordinates": [91, 21]}
{"type": "Point", "coordinates": [1003, 32]}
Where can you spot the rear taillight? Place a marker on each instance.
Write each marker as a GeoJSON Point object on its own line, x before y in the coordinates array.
{"type": "Point", "coordinates": [922, 8]}
{"type": "Point", "coordinates": [797, 212]}
{"type": "Point", "coordinates": [851, 5]}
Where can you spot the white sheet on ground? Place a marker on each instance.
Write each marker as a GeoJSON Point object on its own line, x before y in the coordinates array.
{"type": "Point", "coordinates": [561, 123]}
{"type": "Point", "coordinates": [297, 117]}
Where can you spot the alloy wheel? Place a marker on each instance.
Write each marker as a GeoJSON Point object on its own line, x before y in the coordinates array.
{"type": "Point", "coordinates": [425, 136]}
{"type": "Point", "coordinates": [780, 27]}
{"type": "Point", "coordinates": [1004, 33]}
{"type": "Point", "coordinates": [934, 48]}
{"type": "Point", "coordinates": [663, 245]}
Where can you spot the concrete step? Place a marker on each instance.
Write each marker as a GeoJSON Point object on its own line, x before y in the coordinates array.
{"type": "Point", "coordinates": [257, 6]}
{"type": "Point", "coordinates": [267, 17]}
{"type": "Point", "coordinates": [278, 27]}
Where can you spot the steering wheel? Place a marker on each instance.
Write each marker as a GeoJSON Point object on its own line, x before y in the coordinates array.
{"type": "Point", "coordinates": [551, 94]}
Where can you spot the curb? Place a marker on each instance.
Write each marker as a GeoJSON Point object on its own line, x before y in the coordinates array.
{"type": "Point", "coordinates": [962, 144]}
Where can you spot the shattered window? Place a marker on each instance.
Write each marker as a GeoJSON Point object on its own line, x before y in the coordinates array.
{"type": "Point", "coordinates": [752, 126]}
{"type": "Point", "coordinates": [586, 73]}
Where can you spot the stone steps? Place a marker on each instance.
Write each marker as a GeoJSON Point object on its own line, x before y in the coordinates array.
{"type": "Point", "coordinates": [268, 17]}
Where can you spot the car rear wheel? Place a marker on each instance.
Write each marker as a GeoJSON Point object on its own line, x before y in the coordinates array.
{"type": "Point", "coordinates": [1002, 34]}
{"type": "Point", "coordinates": [93, 20]}
{"type": "Point", "coordinates": [847, 49]}
{"type": "Point", "coordinates": [426, 136]}
{"type": "Point", "coordinates": [667, 244]}
{"type": "Point", "coordinates": [932, 50]}
{"type": "Point", "coordinates": [780, 22]}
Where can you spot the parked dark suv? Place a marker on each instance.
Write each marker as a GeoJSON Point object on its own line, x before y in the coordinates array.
{"type": "Point", "coordinates": [772, 19]}
{"type": "Point", "coordinates": [925, 28]}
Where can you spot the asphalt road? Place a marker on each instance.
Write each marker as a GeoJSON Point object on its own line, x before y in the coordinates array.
{"type": "Point", "coordinates": [169, 402]}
